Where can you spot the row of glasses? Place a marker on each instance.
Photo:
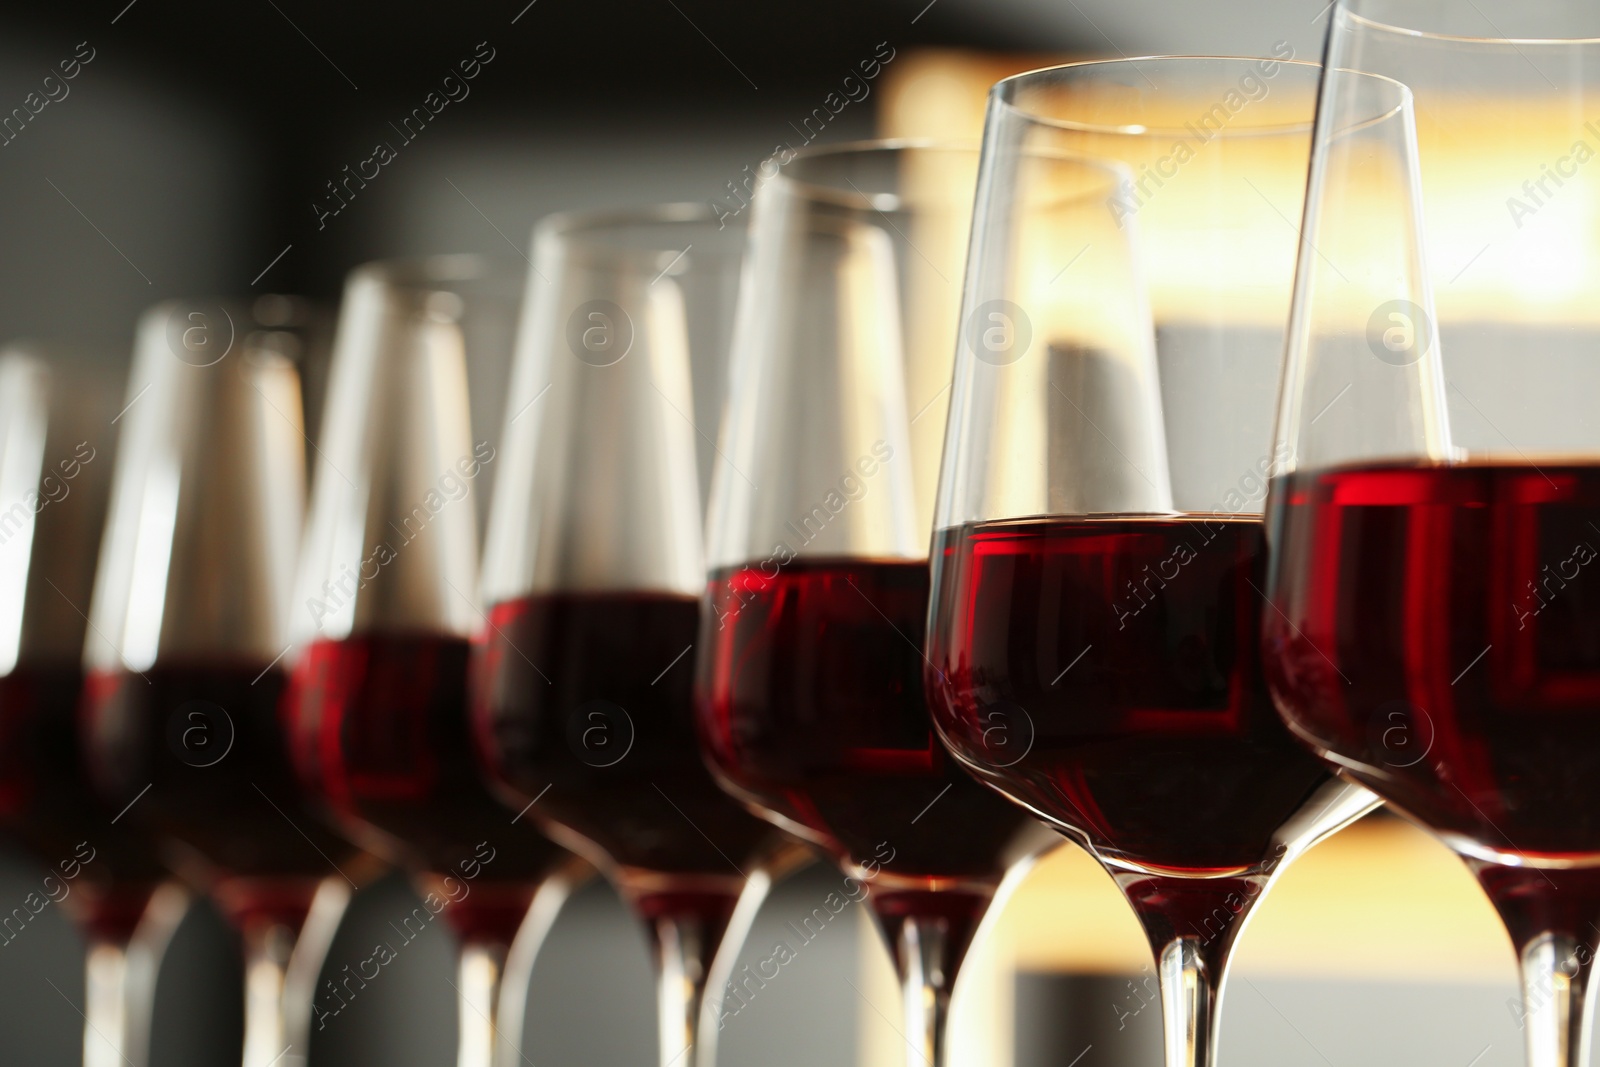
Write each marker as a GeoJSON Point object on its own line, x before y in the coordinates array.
{"type": "Point", "coordinates": [1107, 631]}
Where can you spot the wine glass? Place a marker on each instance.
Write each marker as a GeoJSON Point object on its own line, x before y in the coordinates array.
{"type": "Point", "coordinates": [1433, 629]}
{"type": "Point", "coordinates": [592, 573]}
{"type": "Point", "coordinates": [186, 631]}
{"type": "Point", "coordinates": [1099, 557]}
{"type": "Point", "coordinates": [810, 697]}
{"type": "Point", "coordinates": [386, 604]}
{"type": "Point", "coordinates": [57, 442]}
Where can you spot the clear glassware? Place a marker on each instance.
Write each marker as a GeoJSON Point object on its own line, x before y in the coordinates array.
{"type": "Point", "coordinates": [386, 606]}
{"type": "Point", "coordinates": [810, 699]}
{"type": "Point", "coordinates": [187, 630]}
{"type": "Point", "coordinates": [592, 573]}
{"type": "Point", "coordinates": [57, 443]}
{"type": "Point", "coordinates": [1431, 633]}
{"type": "Point", "coordinates": [1099, 548]}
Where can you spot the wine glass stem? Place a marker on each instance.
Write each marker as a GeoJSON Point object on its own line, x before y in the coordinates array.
{"type": "Point", "coordinates": [923, 957]}
{"type": "Point", "coordinates": [478, 973]}
{"type": "Point", "coordinates": [106, 1016]}
{"type": "Point", "coordinates": [1190, 995]}
{"type": "Point", "coordinates": [267, 948]}
{"type": "Point", "coordinates": [682, 957]}
{"type": "Point", "coordinates": [1555, 979]}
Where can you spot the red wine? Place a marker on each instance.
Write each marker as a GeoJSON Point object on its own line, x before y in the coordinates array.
{"type": "Point", "coordinates": [196, 755]}
{"type": "Point", "coordinates": [380, 733]}
{"type": "Point", "coordinates": [49, 807]}
{"type": "Point", "coordinates": [583, 708]}
{"type": "Point", "coordinates": [1105, 673]}
{"type": "Point", "coordinates": [812, 707]}
{"type": "Point", "coordinates": [1440, 640]}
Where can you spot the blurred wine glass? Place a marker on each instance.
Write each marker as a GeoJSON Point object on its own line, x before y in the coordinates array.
{"type": "Point", "coordinates": [187, 630]}
{"type": "Point", "coordinates": [57, 446]}
{"type": "Point", "coordinates": [592, 572]}
{"type": "Point", "coordinates": [386, 604]}
{"type": "Point", "coordinates": [811, 704]}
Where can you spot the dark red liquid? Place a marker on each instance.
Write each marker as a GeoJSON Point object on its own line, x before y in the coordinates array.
{"type": "Point", "coordinates": [381, 734]}
{"type": "Point", "coordinates": [222, 797]}
{"type": "Point", "coordinates": [812, 706]}
{"type": "Point", "coordinates": [1440, 641]}
{"type": "Point", "coordinates": [1105, 673]}
{"type": "Point", "coordinates": [584, 704]}
{"type": "Point", "coordinates": [48, 805]}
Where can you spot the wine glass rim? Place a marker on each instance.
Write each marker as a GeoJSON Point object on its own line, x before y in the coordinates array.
{"type": "Point", "coordinates": [1003, 88]}
{"type": "Point", "coordinates": [883, 201]}
{"type": "Point", "coordinates": [436, 270]}
{"type": "Point", "coordinates": [1462, 38]}
{"type": "Point", "coordinates": [269, 311]}
{"type": "Point", "coordinates": [570, 223]}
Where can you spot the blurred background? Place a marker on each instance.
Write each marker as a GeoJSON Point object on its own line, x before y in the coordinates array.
{"type": "Point", "coordinates": [224, 149]}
